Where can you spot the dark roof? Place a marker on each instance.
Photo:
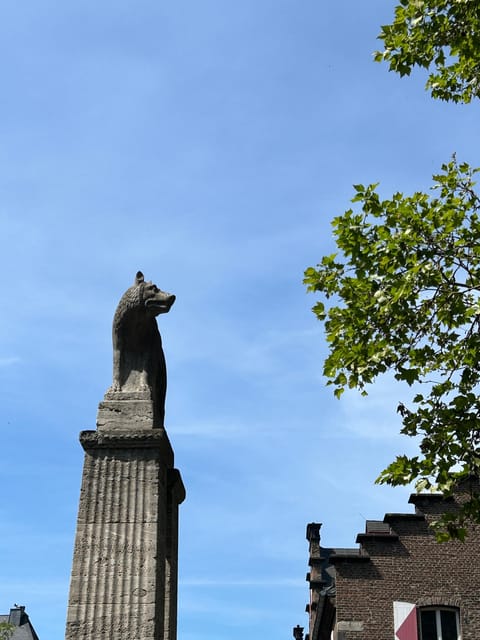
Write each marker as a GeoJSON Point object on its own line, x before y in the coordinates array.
{"type": "Point", "coordinates": [376, 526]}
{"type": "Point", "coordinates": [340, 554]}
{"type": "Point", "coordinates": [23, 629]}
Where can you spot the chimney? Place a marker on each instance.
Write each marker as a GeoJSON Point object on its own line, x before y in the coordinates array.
{"type": "Point", "coordinates": [314, 576]}
{"type": "Point", "coordinates": [298, 632]}
{"type": "Point", "coordinates": [16, 615]}
{"type": "Point", "coordinates": [313, 537]}
{"type": "Point", "coordinates": [313, 531]}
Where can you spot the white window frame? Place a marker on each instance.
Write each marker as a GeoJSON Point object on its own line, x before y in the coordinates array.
{"type": "Point", "coordinates": [437, 611]}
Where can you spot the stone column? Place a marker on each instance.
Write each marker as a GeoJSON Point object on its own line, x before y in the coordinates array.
{"type": "Point", "coordinates": [124, 575]}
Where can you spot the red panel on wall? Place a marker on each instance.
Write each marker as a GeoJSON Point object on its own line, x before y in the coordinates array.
{"type": "Point", "coordinates": [405, 617]}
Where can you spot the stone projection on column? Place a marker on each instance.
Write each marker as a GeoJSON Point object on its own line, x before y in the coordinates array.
{"type": "Point", "coordinates": [124, 574]}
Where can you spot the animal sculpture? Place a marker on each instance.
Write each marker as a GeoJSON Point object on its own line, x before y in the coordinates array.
{"type": "Point", "coordinates": [138, 358]}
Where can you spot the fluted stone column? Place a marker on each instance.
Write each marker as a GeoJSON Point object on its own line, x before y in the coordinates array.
{"type": "Point", "coordinates": [124, 575]}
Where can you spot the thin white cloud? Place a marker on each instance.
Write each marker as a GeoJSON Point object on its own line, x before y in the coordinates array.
{"type": "Point", "coordinates": [33, 589]}
{"type": "Point", "coordinates": [374, 416]}
{"type": "Point", "coordinates": [8, 361]}
{"type": "Point", "coordinates": [226, 429]}
{"type": "Point", "coordinates": [243, 582]}
{"type": "Point", "coordinates": [206, 429]}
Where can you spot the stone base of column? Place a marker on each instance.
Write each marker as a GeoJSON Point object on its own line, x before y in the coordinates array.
{"type": "Point", "coordinates": [122, 581]}
{"type": "Point", "coordinates": [119, 410]}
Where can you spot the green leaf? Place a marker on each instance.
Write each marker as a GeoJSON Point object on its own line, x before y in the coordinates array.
{"type": "Point", "coordinates": [442, 36]}
{"type": "Point", "coordinates": [402, 295]}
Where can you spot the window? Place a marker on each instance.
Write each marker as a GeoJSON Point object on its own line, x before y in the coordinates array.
{"type": "Point", "coordinates": [439, 624]}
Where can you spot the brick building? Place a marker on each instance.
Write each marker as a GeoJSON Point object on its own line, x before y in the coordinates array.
{"type": "Point", "coordinates": [399, 583]}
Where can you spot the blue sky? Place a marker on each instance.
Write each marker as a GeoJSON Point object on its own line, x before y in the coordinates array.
{"type": "Point", "coordinates": [208, 144]}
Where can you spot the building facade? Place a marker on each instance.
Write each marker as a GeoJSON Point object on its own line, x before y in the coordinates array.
{"type": "Point", "coordinates": [399, 583]}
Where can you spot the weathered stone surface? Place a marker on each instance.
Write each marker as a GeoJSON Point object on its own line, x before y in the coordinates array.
{"type": "Point", "coordinates": [139, 370]}
{"type": "Point", "coordinates": [124, 443]}
{"type": "Point", "coordinates": [120, 414]}
{"type": "Point", "coordinates": [125, 556]}
{"type": "Point", "coordinates": [115, 622]}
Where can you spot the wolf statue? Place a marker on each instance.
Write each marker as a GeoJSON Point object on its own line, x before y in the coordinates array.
{"type": "Point", "coordinates": [138, 359]}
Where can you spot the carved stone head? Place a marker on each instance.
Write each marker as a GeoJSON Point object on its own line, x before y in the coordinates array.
{"type": "Point", "coordinates": [155, 300]}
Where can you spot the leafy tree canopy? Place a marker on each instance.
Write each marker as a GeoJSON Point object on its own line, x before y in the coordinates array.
{"type": "Point", "coordinates": [439, 34]}
{"type": "Point", "coordinates": [6, 630]}
{"type": "Point", "coordinates": [403, 295]}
